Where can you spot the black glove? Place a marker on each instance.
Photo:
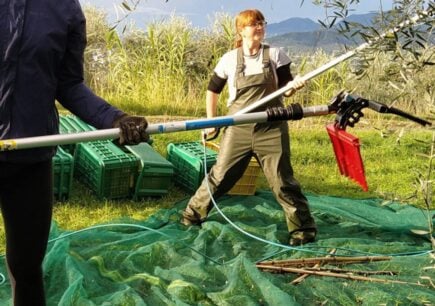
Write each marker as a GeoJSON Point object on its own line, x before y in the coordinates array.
{"type": "Point", "coordinates": [132, 129]}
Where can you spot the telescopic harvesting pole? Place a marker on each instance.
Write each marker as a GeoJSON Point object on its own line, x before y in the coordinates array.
{"type": "Point", "coordinates": [293, 112]}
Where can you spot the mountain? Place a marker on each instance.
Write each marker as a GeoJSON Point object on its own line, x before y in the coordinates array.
{"type": "Point", "coordinates": [307, 42]}
{"type": "Point", "coordinates": [297, 35]}
{"type": "Point", "coordinates": [297, 24]}
{"type": "Point", "coordinates": [304, 35]}
{"type": "Point", "coordinates": [364, 19]}
{"type": "Point", "coordinates": [294, 24]}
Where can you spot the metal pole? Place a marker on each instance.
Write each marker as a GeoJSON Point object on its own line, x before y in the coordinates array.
{"type": "Point", "coordinates": [168, 127]}
{"type": "Point", "coordinates": [332, 63]}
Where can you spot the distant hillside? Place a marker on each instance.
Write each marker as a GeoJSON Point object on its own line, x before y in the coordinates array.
{"type": "Point", "coordinates": [306, 40]}
{"type": "Point", "coordinates": [305, 35]}
{"type": "Point", "coordinates": [295, 24]}
{"type": "Point", "coordinates": [364, 19]}
{"type": "Point", "coordinates": [310, 41]}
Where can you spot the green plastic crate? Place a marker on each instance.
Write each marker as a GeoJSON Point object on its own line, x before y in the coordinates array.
{"type": "Point", "coordinates": [155, 172]}
{"type": "Point", "coordinates": [63, 168]}
{"type": "Point", "coordinates": [188, 161]}
{"type": "Point", "coordinates": [71, 124]}
{"type": "Point", "coordinates": [105, 169]}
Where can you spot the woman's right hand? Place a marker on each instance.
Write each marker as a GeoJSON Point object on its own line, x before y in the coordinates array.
{"type": "Point", "coordinates": [297, 83]}
{"type": "Point", "coordinates": [209, 134]}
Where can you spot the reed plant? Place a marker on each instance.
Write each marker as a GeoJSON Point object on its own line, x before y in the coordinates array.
{"type": "Point", "coordinates": [165, 69]}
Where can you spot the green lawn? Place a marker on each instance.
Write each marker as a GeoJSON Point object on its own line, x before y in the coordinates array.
{"type": "Point", "coordinates": [392, 154]}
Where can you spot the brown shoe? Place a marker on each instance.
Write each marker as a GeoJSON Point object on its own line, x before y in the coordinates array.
{"type": "Point", "coordinates": [188, 222]}
{"type": "Point", "coordinates": [185, 221]}
{"type": "Point", "coordinates": [300, 237]}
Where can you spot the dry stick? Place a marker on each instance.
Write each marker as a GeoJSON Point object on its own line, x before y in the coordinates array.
{"type": "Point", "coordinates": [304, 276]}
{"type": "Point", "coordinates": [322, 260]}
{"type": "Point", "coordinates": [391, 273]}
{"type": "Point", "coordinates": [338, 275]}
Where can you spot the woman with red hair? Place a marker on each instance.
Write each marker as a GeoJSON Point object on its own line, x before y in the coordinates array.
{"type": "Point", "coordinates": [252, 71]}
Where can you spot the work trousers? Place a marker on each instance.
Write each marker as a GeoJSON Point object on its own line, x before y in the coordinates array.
{"type": "Point", "coordinates": [269, 144]}
{"type": "Point", "coordinates": [26, 199]}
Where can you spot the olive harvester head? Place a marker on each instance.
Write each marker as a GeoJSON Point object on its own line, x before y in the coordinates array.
{"type": "Point", "coordinates": [348, 109]}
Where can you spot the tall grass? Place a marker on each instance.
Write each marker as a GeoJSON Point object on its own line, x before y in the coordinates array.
{"type": "Point", "coordinates": [165, 70]}
{"type": "Point", "coordinates": [162, 71]}
{"type": "Point", "coordinates": [321, 89]}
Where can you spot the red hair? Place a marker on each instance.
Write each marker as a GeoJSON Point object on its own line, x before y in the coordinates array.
{"type": "Point", "coordinates": [243, 19]}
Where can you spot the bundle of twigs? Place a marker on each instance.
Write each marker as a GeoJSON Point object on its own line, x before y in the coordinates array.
{"type": "Point", "coordinates": [323, 260]}
{"type": "Point", "coordinates": [313, 266]}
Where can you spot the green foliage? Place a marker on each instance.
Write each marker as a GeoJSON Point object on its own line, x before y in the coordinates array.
{"type": "Point", "coordinates": [321, 89]}
{"type": "Point", "coordinates": [405, 33]}
{"type": "Point", "coordinates": [424, 184]}
{"type": "Point", "coordinates": [164, 70]}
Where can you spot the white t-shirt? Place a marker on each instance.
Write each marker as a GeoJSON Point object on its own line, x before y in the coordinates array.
{"type": "Point", "coordinates": [226, 67]}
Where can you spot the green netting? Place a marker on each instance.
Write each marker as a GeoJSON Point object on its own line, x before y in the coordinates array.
{"type": "Point", "coordinates": [169, 264]}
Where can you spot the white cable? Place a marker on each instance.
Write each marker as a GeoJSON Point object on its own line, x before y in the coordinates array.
{"type": "Point", "coordinates": [288, 247]}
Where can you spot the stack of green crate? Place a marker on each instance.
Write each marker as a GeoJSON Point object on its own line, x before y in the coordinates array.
{"type": "Point", "coordinates": [106, 169]}
{"type": "Point", "coordinates": [188, 161]}
{"type": "Point", "coordinates": [63, 168]}
{"type": "Point", "coordinates": [155, 172]}
{"type": "Point", "coordinates": [71, 124]}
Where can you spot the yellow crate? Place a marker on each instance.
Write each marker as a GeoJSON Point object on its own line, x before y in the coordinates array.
{"type": "Point", "coordinates": [246, 185]}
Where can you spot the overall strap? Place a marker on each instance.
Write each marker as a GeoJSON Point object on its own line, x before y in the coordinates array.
{"type": "Point", "coordinates": [266, 58]}
{"type": "Point", "coordinates": [240, 63]}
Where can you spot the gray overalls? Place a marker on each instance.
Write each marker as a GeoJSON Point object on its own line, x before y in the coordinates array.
{"type": "Point", "coordinates": [268, 142]}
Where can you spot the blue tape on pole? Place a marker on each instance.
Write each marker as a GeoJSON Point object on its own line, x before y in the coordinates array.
{"type": "Point", "coordinates": [209, 123]}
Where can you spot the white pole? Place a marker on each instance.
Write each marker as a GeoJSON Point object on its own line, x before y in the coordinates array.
{"type": "Point", "coordinates": [167, 127]}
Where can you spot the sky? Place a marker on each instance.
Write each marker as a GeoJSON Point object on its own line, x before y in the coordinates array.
{"type": "Point", "coordinates": [201, 12]}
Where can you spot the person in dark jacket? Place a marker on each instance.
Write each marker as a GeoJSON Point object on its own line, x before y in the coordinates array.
{"type": "Point", "coordinates": [42, 44]}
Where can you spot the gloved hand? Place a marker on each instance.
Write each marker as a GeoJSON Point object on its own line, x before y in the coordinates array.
{"type": "Point", "coordinates": [132, 129]}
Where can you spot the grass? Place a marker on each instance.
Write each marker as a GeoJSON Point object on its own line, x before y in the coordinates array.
{"type": "Point", "coordinates": [390, 164]}
{"type": "Point", "coordinates": [390, 151]}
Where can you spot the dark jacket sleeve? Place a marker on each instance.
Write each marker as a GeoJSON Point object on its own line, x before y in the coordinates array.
{"type": "Point", "coordinates": [72, 93]}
